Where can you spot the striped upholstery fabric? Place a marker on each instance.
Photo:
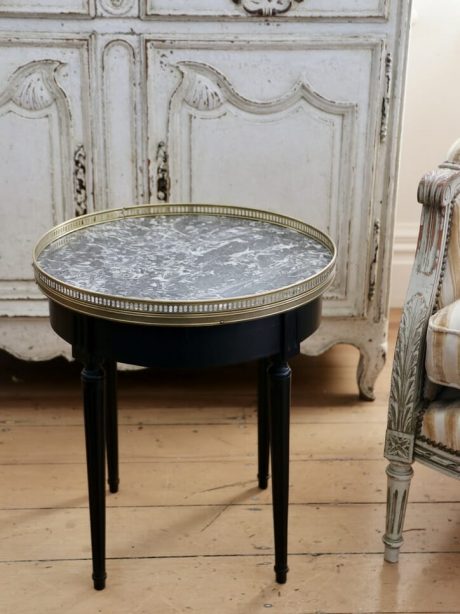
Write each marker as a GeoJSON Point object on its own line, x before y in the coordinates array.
{"type": "Point", "coordinates": [443, 346]}
{"type": "Point", "coordinates": [441, 424]}
{"type": "Point", "coordinates": [450, 287]}
{"type": "Point", "coordinates": [441, 421]}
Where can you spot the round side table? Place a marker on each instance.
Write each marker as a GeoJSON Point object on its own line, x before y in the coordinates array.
{"type": "Point", "coordinates": [184, 286]}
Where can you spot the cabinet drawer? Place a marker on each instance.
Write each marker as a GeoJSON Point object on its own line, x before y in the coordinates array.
{"type": "Point", "coordinates": [287, 9]}
{"type": "Point", "coordinates": [49, 8]}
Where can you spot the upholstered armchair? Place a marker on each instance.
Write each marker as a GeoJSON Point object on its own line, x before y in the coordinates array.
{"type": "Point", "coordinates": [424, 405]}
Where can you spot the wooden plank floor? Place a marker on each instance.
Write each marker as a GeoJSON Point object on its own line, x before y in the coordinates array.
{"type": "Point", "coordinates": [189, 531]}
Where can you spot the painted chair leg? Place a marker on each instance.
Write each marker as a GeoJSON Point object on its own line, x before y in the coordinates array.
{"type": "Point", "coordinates": [92, 377]}
{"type": "Point", "coordinates": [111, 424]}
{"type": "Point", "coordinates": [263, 431]}
{"type": "Point", "coordinates": [280, 401]}
{"type": "Point", "coordinates": [399, 478]}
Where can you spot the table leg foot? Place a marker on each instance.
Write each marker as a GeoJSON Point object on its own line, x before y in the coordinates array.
{"type": "Point", "coordinates": [281, 575]}
{"type": "Point", "coordinates": [99, 583]}
{"type": "Point", "coordinates": [280, 401]}
{"type": "Point", "coordinates": [113, 486]}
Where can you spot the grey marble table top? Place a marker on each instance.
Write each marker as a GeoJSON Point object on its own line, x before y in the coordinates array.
{"type": "Point", "coordinates": [183, 258]}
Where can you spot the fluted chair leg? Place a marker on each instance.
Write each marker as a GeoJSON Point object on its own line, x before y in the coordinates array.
{"type": "Point", "coordinates": [399, 478]}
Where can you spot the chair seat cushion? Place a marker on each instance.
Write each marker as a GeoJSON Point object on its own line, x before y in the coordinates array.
{"type": "Point", "coordinates": [443, 346]}
{"type": "Point", "coordinates": [441, 424]}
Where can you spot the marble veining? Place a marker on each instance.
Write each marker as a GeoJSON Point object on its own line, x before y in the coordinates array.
{"type": "Point", "coordinates": [177, 258]}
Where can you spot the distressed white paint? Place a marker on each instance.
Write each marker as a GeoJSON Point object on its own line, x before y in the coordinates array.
{"type": "Point", "coordinates": [210, 102]}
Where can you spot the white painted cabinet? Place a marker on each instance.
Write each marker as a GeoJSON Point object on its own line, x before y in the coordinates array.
{"type": "Point", "coordinates": [289, 105]}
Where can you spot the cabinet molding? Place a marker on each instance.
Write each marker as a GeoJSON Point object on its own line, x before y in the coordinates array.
{"type": "Point", "coordinates": [255, 10]}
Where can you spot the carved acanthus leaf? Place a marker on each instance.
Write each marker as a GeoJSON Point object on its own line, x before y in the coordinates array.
{"type": "Point", "coordinates": [405, 385]}
{"type": "Point", "coordinates": [33, 87]}
{"type": "Point", "coordinates": [266, 8]}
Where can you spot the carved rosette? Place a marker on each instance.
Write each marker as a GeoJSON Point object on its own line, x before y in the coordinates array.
{"type": "Point", "coordinates": [117, 7]}
{"type": "Point", "coordinates": [399, 446]}
{"type": "Point", "coordinates": [266, 8]}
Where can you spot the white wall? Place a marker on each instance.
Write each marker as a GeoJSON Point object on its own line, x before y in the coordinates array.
{"type": "Point", "coordinates": [431, 120]}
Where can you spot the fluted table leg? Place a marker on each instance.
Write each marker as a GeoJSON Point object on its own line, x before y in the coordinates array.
{"type": "Point", "coordinates": [92, 377]}
{"type": "Point", "coordinates": [263, 431]}
{"type": "Point", "coordinates": [111, 420]}
{"type": "Point", "coordinates": [280, 401]}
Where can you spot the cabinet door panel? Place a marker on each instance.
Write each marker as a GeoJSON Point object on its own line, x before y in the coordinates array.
{"type": "Point", "coordinates": [282, 129]}
{"type": "Point", "coordinates": [43, 167]}
{"type": "Point", "coordinates": [118, 142]}
{"type": "Point", "coordinates": [326, 9]}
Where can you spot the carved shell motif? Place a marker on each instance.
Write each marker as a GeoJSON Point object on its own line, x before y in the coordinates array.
{"type": "Point", "coordinates": [201, 92]}
{"type": "Point", "coordinates": [266, 8]}
{"type": "Point", "coordinates": [33, 87]}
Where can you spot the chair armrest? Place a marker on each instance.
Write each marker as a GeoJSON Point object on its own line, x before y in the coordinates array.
{"type": "Point", "coordinates": [437, 192]}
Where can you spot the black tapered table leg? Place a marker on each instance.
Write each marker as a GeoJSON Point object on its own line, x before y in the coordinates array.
{"type": "Point", "coordinates": [280, 400]}
{"type": "Point", "coordinates": [92, 377]}
{"type": "Point", "coordinates": [263, 431]}
{"type": "Point", "coordinates": [111, 424]}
